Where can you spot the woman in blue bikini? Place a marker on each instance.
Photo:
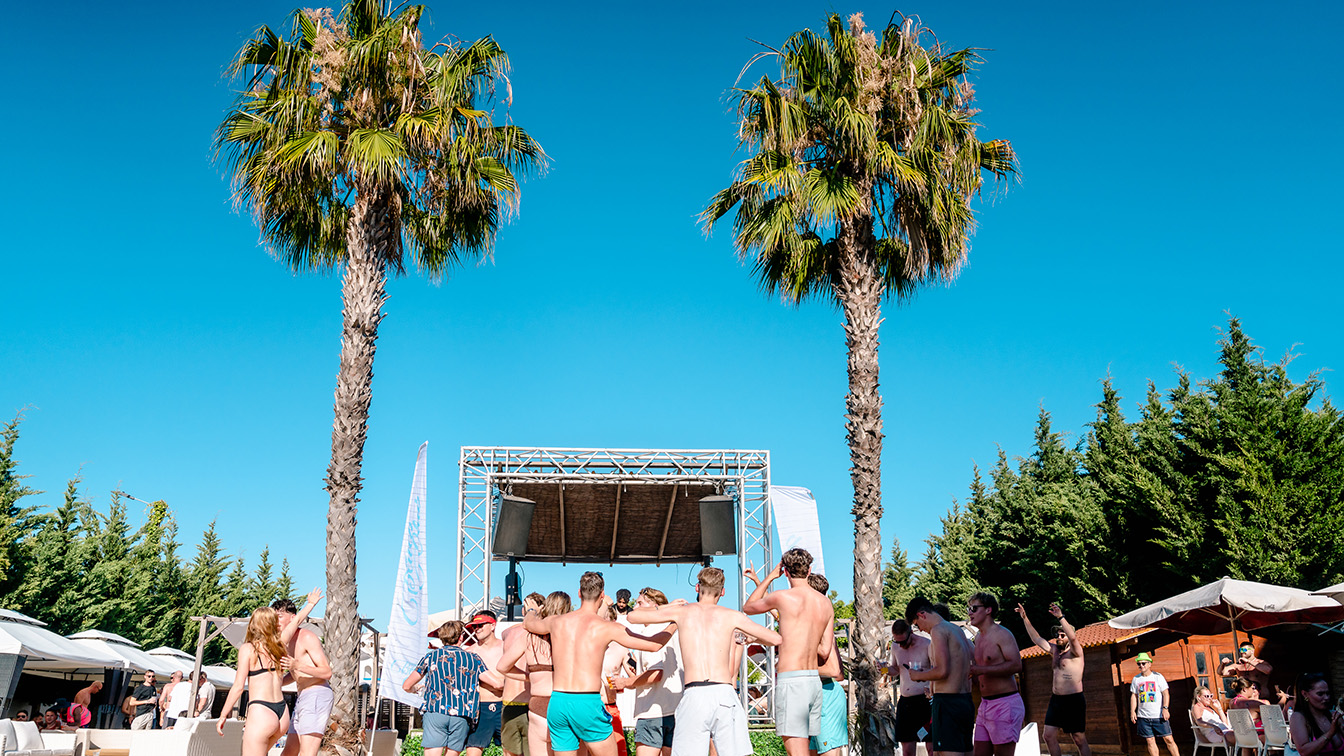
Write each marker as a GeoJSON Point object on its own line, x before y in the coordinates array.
{"type": "Point", "coordinates": [260, 670]}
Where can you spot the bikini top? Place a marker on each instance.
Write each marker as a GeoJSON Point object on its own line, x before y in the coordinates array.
{"type": "Point", "coordinates": [539, 651]}
{"type": "Point", "coordinates": [261, 669]}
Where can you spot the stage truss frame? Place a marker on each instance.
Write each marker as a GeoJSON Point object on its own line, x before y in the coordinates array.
{"type": "Point", "coordinates": [486, 472]}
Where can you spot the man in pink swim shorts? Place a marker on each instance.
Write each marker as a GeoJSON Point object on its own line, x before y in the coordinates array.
{"type": "Point", "coordinates": [998, 723]}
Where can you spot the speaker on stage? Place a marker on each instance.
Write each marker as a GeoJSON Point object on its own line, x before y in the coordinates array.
{"type": "Point", "coordinates": [718, 526]}
{"type": "Point", "coordinates": [512, 524]}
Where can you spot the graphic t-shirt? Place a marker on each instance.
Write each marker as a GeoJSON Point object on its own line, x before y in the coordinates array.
{"type": "Point", "coordinates": [1149, 690]}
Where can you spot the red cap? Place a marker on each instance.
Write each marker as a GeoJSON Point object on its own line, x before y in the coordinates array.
{"type": "Point", "coordinates": [482, 619]}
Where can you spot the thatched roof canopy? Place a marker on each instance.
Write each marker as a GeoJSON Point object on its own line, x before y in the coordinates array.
{"type": "Point", "coordinates": [608, 522]}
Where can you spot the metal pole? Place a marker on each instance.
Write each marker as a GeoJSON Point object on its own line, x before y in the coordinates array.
{"type": "Point", "coordinates": [461, 534]}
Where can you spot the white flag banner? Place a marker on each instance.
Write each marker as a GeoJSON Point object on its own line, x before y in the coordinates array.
{"type": "Point", "coordinates": [408, 625]}
{"type": "Point", "coordinates": [795, 512]}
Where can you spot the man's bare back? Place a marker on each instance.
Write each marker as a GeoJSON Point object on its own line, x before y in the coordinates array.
{"type": "Point", "coordinates": [806, 621]}
{"type": "Point", "coordinates": [514, 642]}
{"type": "Point", "coordinates": [950, 656]}
{"type": "Point", "coordinates": [580, 638]}
{"type": "Point", "coordinates": [706, 637]}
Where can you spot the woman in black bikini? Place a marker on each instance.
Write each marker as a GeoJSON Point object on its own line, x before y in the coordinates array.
{"type": "Point", "coordinates": [261, 667]}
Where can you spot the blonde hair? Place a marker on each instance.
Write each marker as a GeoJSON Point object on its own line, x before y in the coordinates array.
{"type": "Point", "coordinates": [556, 603]}
{"type": "Point", "coordinates": [654, 595]}
{"type": "Point", "coordinates": [263, 632]}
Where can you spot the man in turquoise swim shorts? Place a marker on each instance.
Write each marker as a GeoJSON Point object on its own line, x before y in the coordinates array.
{"type": "Point", "coordinates": [834, 703]}
{"type": "Point", "coordinates": [579, 640]}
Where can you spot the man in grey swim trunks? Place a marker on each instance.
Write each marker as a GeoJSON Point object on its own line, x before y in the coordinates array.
{"type": "Point", "coordinates": [308, 667]}
{"type": "Point", "coordinates": [807, 627]}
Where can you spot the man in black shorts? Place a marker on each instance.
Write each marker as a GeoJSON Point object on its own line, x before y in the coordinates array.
{"type": "Point", "coordinates": [910, 652]}
{"type": "Point", "coordinates": [950, 658]}
{"type": "Point", "coordinates": [1068, 710]}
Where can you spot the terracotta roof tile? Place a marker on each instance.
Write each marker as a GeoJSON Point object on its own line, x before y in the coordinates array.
{"type": "Point", "coordinates": [1095, 634]}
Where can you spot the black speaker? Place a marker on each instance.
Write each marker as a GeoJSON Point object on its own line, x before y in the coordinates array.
{"type": "Point", "coordinates": [512, 524]}
{"type": "Point", "coordinates": [718, 526]}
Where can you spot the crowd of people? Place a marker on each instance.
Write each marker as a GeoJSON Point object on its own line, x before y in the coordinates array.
{"type": "Point", "coordinates": [548, 686]}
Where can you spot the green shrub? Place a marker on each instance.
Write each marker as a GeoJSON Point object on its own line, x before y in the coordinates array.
{"type": "Point", "coordinates": [766, 743]}
{"type": "Point", "coordinates": [411, 745]}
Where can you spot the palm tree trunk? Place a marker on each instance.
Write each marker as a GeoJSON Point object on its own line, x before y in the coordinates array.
{"type": "Point", "coordinates": [362, 291]}
{"type": "Point", "coordinates": [861, 289]}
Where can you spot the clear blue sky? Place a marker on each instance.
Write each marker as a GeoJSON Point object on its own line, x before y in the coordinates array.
{"type": "Point", "coordinates": [1176, 158]}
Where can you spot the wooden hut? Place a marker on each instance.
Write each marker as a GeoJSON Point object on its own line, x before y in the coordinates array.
{"type": "Point", "coordinates": [1186, 661]}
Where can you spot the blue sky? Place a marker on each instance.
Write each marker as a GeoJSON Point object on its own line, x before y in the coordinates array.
{"type": "Point", "coordinates": [1176, 167]}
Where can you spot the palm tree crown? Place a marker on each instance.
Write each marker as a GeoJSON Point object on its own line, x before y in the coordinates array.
{"type": "Point", "coordinates": [866, 131]}
{"type": "Point", "coordinates": [356, 107]}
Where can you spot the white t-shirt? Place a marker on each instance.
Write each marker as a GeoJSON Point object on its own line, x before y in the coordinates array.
{"type": "Point", "coordinates": [1149, 690]}
{"type": "Point", "coordinates": [179, 700]}
{"type": "Point", "coordinates": [661, 698]}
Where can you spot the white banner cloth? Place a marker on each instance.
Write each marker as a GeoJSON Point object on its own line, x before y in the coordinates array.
{"type": "Point", "coordinates": [796, 520]}
{"type": "Point", "coordinates": [409, 624]}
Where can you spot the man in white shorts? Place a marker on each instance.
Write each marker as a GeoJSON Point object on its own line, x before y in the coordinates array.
{"type": "Point", "coordinates": [709, 706]}
{"type": "Point", "coordinates": [310, 671]}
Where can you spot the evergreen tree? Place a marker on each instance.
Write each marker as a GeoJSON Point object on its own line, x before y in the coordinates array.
{"type": "Point", "coordinates": [284, 585]}
{"type": "Point", "coordinates": [16, 520]}
{"type": "Point", "coordinates": [898, 582]}
{"type": "Point", "coordinates": [262, 589]}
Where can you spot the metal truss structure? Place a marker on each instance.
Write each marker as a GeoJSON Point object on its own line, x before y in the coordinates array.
{"type": "Point", "coordinates": [487, 472]}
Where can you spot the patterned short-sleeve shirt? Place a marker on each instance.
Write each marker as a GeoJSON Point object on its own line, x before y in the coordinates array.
{"type": "Point", "coordinates": [451, 675]}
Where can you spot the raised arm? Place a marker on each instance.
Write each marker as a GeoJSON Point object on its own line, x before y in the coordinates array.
{"type": "Point", "coordinates": [1032, 635]}
{"type": "Point", "coordinates": [314, 596]}
{"type": "Point", "coordinates": [758, 602]}
{"type": "Point", "coordinates": [630, 639]}
{"type": "Point", "coordinates": [537, 625]}
{"type": "Point", "coordinates": [655, 615]}
{"type": "Point", "coordinates": [750, 574]}
{"type": "Point", "coordinates": [1075, 645]}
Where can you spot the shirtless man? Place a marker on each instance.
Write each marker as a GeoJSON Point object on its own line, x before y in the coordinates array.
{"type": "Point", "coordinates": [709, 706]}
{"type": "Point", "coordinates": [516, 687]}
{"type": "Point", "coordinates": [310, 671]}
{"type": "Point", "coordinates": [998, 724]}
{"type": "Point", "coordinates": [807, 626]}
{"type": "Point", "coordinates": [950, 657]}
{"type": "Point", "coordinates": [834, 704]}
{"type": "Point", "coordinates": [1068, 709]}
{"type": "Point", "coordinates": [488, 646]}
{"type": "Point", "coordinates": [579, 640]}
{"type": "Point", "coordinates": [910, 652]}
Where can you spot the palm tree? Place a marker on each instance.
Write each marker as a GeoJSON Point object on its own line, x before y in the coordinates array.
{"type": "Point", "coordinates": [862, 165]}
{"type": "Point", "coordinates": [353, 145]}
